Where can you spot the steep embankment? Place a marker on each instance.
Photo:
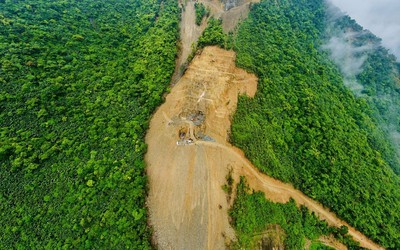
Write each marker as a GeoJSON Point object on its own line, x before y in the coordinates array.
{"type": "Point", "coordinates": [189, 34]}
{"type": "Point", "coordinates": [188, 208]}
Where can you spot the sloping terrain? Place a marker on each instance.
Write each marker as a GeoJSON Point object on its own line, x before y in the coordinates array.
{"type": "Point", "coordinates": [188, 208]}
{"type": "Point", "coordinates": [189, 157]}
{"type": "Point", "coordinates": [189, 34]}
{"type": "Point", "coordinates": [312, 131]}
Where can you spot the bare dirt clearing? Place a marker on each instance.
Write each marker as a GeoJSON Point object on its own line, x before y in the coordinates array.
{"type": "Point", "coordinates": [188, 158]}
{"type": "Point", "coordinates": [190, 32]}
{"type": "Point", "coordinates": [188, 207]}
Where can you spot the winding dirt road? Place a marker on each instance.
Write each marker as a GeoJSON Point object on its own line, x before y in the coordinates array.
{"type": "Point", "coordinates": [188, 208]}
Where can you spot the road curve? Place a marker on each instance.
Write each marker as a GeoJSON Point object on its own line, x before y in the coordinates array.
{"type": "Point", "coordinates": [264, 183]}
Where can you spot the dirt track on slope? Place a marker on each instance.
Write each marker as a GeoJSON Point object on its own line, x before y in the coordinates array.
{"type": "Point", "coordinates": [189, 35]}
{"type": "Point", "coordinates": [188, 208]}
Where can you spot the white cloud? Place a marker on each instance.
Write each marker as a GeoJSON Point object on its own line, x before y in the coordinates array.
{"type": "Point", "coordinates": [348, 58]}
{"type": "Point", "coordinates": [381, 17]}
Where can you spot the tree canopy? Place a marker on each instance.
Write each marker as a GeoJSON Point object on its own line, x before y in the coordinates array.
{"type": "Point", "coordinates": [304, 126]}
{"type": "Point", "coordinates": [254, 217]}
{"type": "Point", "coordinates": [78, 83]}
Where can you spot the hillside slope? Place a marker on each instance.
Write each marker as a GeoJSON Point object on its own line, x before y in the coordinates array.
{"type": "Point", "coordinates": [372, 74]}
{"type": "Point", "coordinates": [189, 158]}
{"type": "Point", "coordinates": [78, 83]}
{"type": "Point", "coordinates": [304, 126]}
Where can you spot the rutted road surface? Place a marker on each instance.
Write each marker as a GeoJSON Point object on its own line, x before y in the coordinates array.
{"type": "Point", "coordinates": [189, 157]}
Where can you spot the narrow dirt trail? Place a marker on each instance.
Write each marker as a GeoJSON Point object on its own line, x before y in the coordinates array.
{"type": "Point", "coordinates": [189, 35]}
{"type": "Point", "coordinates": [189, 157]}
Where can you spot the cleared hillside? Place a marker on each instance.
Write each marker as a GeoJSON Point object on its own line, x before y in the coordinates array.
{"type": "Point", "coordinates": [189, 158]}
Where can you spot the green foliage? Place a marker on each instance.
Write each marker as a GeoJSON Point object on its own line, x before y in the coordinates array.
{"type": "Point", "coordinates": [305, 127]}
{"type": "Point", "coordinates": [252, 214]}
{"type": "Point", "coordinates": [201, 12]}
{"type": "Point", "coordinates": [228, 187]}
{"type": "Point", "coordinates": [213, 34]}
{"type": "Point", "coordinates": [319, 246]}
{"type": "Point", "coordinates": [78, 83]}
{"type": "Point", "coordinates": [381, 88]}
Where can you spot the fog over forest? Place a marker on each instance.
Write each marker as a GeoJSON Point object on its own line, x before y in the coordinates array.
{"type": "Point", "coordinates": [351, 56]}
{"type": "Point", "coordinates": [379, 16]}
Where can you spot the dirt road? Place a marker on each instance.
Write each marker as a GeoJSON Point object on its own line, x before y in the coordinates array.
{"type": "Point", "coordinates": [188, 158]}
{"type": "Point", "coordinates": [281, 192]}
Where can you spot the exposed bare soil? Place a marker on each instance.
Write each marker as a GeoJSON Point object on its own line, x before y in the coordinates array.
{"type": "Point", "coordinates": [189, 157]}
{"type": "Point", "coordinates": [188, 208]}
{"type": "Point", "coordinates": [232, 17]}
{"type": "Point", "coordinates": [189, 35]}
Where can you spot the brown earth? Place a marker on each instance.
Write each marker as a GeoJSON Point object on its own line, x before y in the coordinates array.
{"type": "Point", "coordinates": [188, 208]}
{"type": "Point", "coordinates": [189, 35]}
{"type": "Point", "coordinates": [232, 17]}
{"type": "Point", "coordinates": [189, 157]}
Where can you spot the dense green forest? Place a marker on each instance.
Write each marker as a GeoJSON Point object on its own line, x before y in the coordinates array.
{"type": "Point", "coordinates": [306, 127]}
{"type": "Point", "coordinates": [378, 79]}
{"type": "Point", "coordinates": [78, 83]}
{"type": "Point", "coordinates": [201, 12]}
{"type": "Point", "coordinates": [254, 217]}
{"type": "Point", "coordinates": [80, 79]}
{"type": "Point", "coordinates": [213, 34]}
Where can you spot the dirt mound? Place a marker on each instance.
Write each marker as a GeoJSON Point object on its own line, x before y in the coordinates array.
{"type": "Point", "coordinates": [188, 208]}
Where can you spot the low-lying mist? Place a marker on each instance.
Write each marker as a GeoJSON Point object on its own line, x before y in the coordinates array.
{"type": "Point", "coordinates": [354, 49]}
{"type": "Point", "coordinates": [344, 48]}
{"type": "Point", "coordinates": [380, 17]}
{"type": "Point", "coordinates": [348, 58]}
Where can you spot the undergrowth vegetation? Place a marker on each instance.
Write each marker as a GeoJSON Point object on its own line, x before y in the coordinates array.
{"type": "Point", "coordinates": [213, 34]}
{"type": "Point", "coordinates": [78, 83]}
{"type": "Point", "coordinates": [252, 215]}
